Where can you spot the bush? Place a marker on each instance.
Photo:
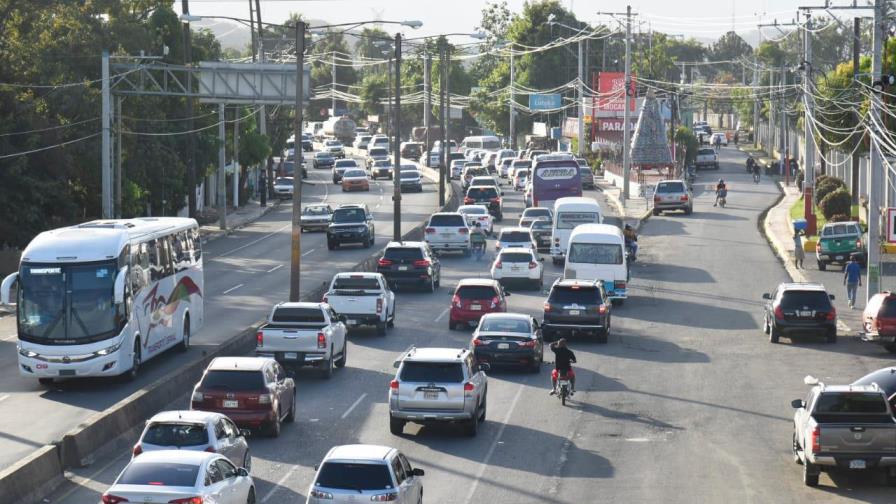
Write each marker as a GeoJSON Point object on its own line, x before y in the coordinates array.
{"type": "Point", "coordinates": [826, 186]}
{"type": "Point", "coordinates": [836, 203]}
{"type": "Point", "coordinates": [840, 218]}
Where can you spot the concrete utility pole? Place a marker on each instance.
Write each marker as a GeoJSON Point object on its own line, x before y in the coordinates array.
{"type": "Point", "coordinates": [267, 187]}
{"type": "Point", "coordinates": [191, 139]}
{"type": "Point", "coordinates": [876, 172]}
{"type": "Point", "coordinates": [626, 115]}
{"type": "Point", "coordinates": [221, 179]}
{"type": "Point", "coordinates": [390, 123]}
{"type": "Point", "coordinates": [581, 85]}
{"type": "Point", "coordinates": [118, 145]}
{"type": "Point", "coordinates": [106, 154]}
{"type": "Point", "coordinates": [443, 116]}
{"type": "Point", "coordinates": [756, 102]}
{"type": "Point", "coordinates": [856, 27]}
{"type": "Point", "coordinates": [446, 147]}
{"type": "Point", "coordinates": [236, 157]}
{"type": "Point", "coordinates": [809, 142]}
{"type": "Point", "coordinates": [295, 264]}
{"type": "Point", "coordinates": [427, 107]}
{"type": "Point", "coordinates": [783, 134]}
{"type": "Point", "coordinates": [333, 86]}
{"type": "Point", "coordinates": [396, 145]}
{"type": "Point", "coordinates": [512, 101]}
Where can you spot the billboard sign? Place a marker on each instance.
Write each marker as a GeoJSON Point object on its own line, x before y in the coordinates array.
{"type": "Point", "coordinates": [609, 88]}
{"type": "Point", "coordinates": [544, 101]}
{"type": "Point", "coordinates": [540, 129]}
{"type": "Point", "coordinates": [615, 125]}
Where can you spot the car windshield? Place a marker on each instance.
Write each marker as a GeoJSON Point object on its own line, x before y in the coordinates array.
{"type": "Point", "coordinates": [432, 372]}
{"type": "Point", "coordinates": [888, 308]}
{"type": "Point", "coordinates": [365, 138]}
{"type": "Point", "coordinates": [577, 294]}
{"type": "Point", "coordinates": [476, 292]}
{"type": "Point", "coordinates": [531, 213]}
{"type": "Point", "coordinates": [61, 303]}
{"type": "Point", "coordinates": [569, 220]}
{"type": "Point", "coordinates": [515, 236]}
{"type": "Point", "coordinates": [355, 173]}
{"type": "Point", "coordinates": [233, 380]}
{"type": "Point", "coordinates": [403, 253]}
{"type": "Point", "coordinates": [332, 143]}
{"type": "Point", "coordinates": [851, 402]}
{"type": "Point", "coordinates": [382, 163]}
{"type": "Point", "coordinates": [840, 229]}
{"type": "Point", "coordinates": [359, 282]}
{"type": "Point", "coordinates": [447, 220]}
{"type": "Point", "coordinates": [515, 257]}
{"type": "Point", "coordinates": [805, 300]}
{"type": "Point", "coordinates": [159, 474]}
{"type": "Point", "coordinates": [322, 155]}
{"type": "Point", "coordinates": [410, 175]}
{"type": "Point", "coordinates": [175, 434]}
{"type": "Point", "coordinates": [344, 215]}
{"type": "Point", "coordinates": [706, 151]}
{"type": "Point", "coordinates": [502, 324]}
{"type": "Point", "coordinates": [283, 181]}
{"type": "Point", "coordinates": [353, 476]}
{"type": "Point", "coordinates": [346, 163]}
{"type": "Point", "coordinates": [298, 314]}
{"type": "Point", "coordinates": [482, 193]}
{"type": "Point", "coordinates": [595, 253]}
{"type": "Point", "coordinates": [541, 224]}
{"type": "Point", "coordinates": [316, 211]}
{"type": "Point", "coordinates": [378, 152]}
{"type": "Point", "coordinates": [670, 187]}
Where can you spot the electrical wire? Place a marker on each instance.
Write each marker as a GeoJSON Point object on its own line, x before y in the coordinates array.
{"type": "Point", "coordinates": [41, 149]}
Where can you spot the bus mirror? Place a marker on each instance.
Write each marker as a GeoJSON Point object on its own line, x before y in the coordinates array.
{"type": "Point", "coordinates": [6, 287]}
{"type": "Point", "coordinates": [120, 282]}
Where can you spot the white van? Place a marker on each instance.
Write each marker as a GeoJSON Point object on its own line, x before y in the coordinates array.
{"type": "Point", "coordinates": [597, 252]}
{"type": "Point", "coordinates": [568, 213]}
{"type": "Point", "coordinates": [481, 142]}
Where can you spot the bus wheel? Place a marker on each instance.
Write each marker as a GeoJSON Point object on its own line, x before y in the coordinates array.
{"type": "Point", "coordinates": [131, 374]}
{"type": "Point", "coordinates": [185, 343]}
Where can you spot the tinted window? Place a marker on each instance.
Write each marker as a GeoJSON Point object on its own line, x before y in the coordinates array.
{"type": "Point", "coordinates": [348, 476]}
{"type": "Point", "coordinates": [310, 314]}
{"type": "Point", "coordinates": [159, 474]}
{"type": "Point", "coordinates": [474, 210]}
{"type": "Point", "coordinates": [355, 173]}
{"type": "Point", "coordinates": [399, 253]}
{"type": "Point", "coordinates": [515, 236]}
{"type": "Point", "coordinates": [356, 283]}
{"type": "Point", "coordinates": [670, 187]}
{"type": "Point", "coordinates": [541, 224]}
{"type": "Point", "coordinates": [569, 220]}
{"type": "Point", "coordinates": [346, 163]}
{"type": "Point", "coordinates": [342, 215]}
{"type": "Point", "coordinates": [234, 381]}
{"type": "Point", "coordinates": [174, 434]}
{"type": "Point", "coordinates": [705, 151]}
{"type": "Point", "coordinates": [378, 151]}
{"type": "Point", "coordinates": [522, 164]}
{"type": "Point", "coordinates": [515, 257]}
{"type": "Point", "coordinates": [476, 292]}
{"type": "Point", "coordinates": [322, 155]}
{"type": "Point", "coordinates": [498, 324]}
{"type": "Point", "coordinates": [851, 402]}
{"type": "Point", "coordinates": [442, 372]}
{"type": "Point", "coordinates": [482, 193]}
{"type": "Point", "coordinates": [888, 308]}
{"type": "Point", "coordinates": [410, 175]}
{"type": "Point", "coordinates": [568, 295]}
{"type": "Point", "coordinates": [813, 300]}
{"type": "Point", "coordinates": [447, 220]}
{"type": "Point", "coordinates": [595, 253]}
{"type": "Point", "coordinates": [315, 211]}
{"type": "Point", "coordinates": [537, 212]}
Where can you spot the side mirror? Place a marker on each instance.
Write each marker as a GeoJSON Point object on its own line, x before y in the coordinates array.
{"type": "Point", "coordinates": [766, 295]}
{"type": "Point", "coordinates": [797, 404]}
{"type": "Point", "coordinates": [242, 471]}
{"type": "Point", "coordinates": [541, 259]}
{"type": "Point", "coordinates": [831, 296]}
{"type": "Point", "coordinates": [485, 367]}
{"type": "Point", "coordinates": [6, 287]}
{"type": "Point", "coordinates": [417, 472]}
{"type": "Point", "coordinates": [120, 282]}
{"type": "Point", "coordinates": [245, 432]}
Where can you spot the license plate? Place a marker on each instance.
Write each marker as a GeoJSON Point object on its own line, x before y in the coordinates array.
{"type": "Point", "coordinates": [515, 268]}
{"type": "Point", "coordinates": [291, 356]}
{"type": "Point", "coordinates": [66, 372]}
{"type": "Point", "coordinates": [856, 464]}
{"type": "Point", "coordinates": [431, 395]}
{"type": "Point", "coordinates": [805, 313]}
{"type": "Point", "coordinates": [447, 235]}
{"type": "Point", "coordinates": [574, 312]}
{"type": "Point", "coordinates": [231, 404]}
{"type": "Point", "coordinates": [839, 258]}
{"type": "Point", "coordinates": [475, 307]}
{"type": "Point", "coordinates": [503, 346]}
{"type": "Point", "coordinates": [402, 268]}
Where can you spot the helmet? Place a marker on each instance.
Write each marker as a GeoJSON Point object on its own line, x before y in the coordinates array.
{"type": "Point", "coordinates": [477, 224]}
{"type": "Point", "coordinates": [721, 181]}
{"type": "Point", "coordinates": [628, 226]}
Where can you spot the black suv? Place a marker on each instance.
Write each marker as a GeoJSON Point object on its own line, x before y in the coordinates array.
{"type": "Point", "coordinates": [410, 263]}
{"type": "Point", "coordinates": [488, 196]}
{"type": "Point", "coordinates": [800, 308]}
{"type": "Point", "coordinates": [577, 306]}
{"type": "Point", "coordinates": [351, 223]}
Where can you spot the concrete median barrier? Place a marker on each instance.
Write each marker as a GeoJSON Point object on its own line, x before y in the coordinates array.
{"type": "Point", "coordinates": [32, 477]}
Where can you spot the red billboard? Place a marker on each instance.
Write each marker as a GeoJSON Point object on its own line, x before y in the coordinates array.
{"type": "Point", "coordinates": [610, 85]}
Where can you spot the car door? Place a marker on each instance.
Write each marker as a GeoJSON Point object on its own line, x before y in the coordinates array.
{"type": "Point", "coordinates": [434, 261]}
{"type": "Point", "coordinates": [215, 487]}
{"type": "Point", "coordinates": [282, 384]}
{"type": "Point", "coordinates": [414, 483]}
{"type": "Point", "coordinates": [232, 491]}
{"type": "Point", "coordinates": [401, 481]}
{"type": "Point", "coordinates": [536, 333]}
{"type": "Point", "coordinates": [240, 447]}
{"type": "Point", "coordinates": [225, 439]}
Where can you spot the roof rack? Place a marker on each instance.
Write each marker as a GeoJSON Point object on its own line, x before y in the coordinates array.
{"type": "Point", "coordinates": [403, 355]}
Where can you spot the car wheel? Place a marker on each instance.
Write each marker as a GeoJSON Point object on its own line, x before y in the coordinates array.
{"type": "Point", "coordinates": [439, 280]}
{"type": "Point", "coordinates": [467, 253]}
{"type": "Point", "coordinates": [291, 416]}
{"type": "Point", "coordinates": [773, 334]}
{"type": "Point", "coordinates": [602, 335]}
{"type": "Point", "coordinates": [688, 211]}
{"type": "Point", "coordinates": [484, 408]}
{"type": "Point", "coordinates": [340, 363]}
{"type": "Point", "coordinates": [432, 284]}
{"type": "Point", "coordinates": [822, 266]}
{"type": "Point", "coordinates": [328, 367]}
{"type": "Point", "coordinates": [452, 326]}
{"type": "Point", "coordinates": [556, 261]}
{"type": "Point", "coordinates": [472, 427]}
{"type": "Point", "coordinates": [302, 230]}
{"type": "Point", "coordinates": [251, 498]}
{"type": "Point", "coordinates": [890, 348]}
{"type": "Point", "coordinates": [831, 336]}
{"type": "Point", "coordinates": [656, 212]}
{"type": "Point", "coordinates": [331, 245]}
{"type": "Point", "coordinates": [535, 368]}
{"type": "Point", "coordinates": [185, 343]}
{"type": "Point", "coordinates": [274, 428]}
{"type": "Point", "coordinates": [381, 328]}
{"type": "Point", "coordinates": [795, 448]}
{"type": "Point", "coordinates": [396, 426]}
{"type": "Point", "coordinates": [765, 325]}
{"type": "Point", "coordinates": [810, 474]}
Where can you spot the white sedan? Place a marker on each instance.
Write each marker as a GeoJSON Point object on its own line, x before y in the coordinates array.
{"type": "Point", "coordinates": [518, 264]}
{"type": "Point", "coordinates": [181, 476]}
{"type": "Point", "coordinates": [477, 213]}
{"type": "Point", "coordinates": [516, 238]}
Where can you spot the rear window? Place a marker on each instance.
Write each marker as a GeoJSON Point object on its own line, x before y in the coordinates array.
{"type": "Point", "coordinates": [569, 220]}
{"type": "Point", "coordinates": [399, 253]}
{"type": "Point", "coordinates": [312, 314]}
{"type": "Point", "coordinates": [536, 212]}
{"type": "Point", "coordinates": [447, 220]}
{"type": "Point", "coordinates": [436, 372]}
{"type": "Point", "coordinates": [670, 187]}
{"type": "Point", "coordinates": [354, 173]}
{"type": "Point", "coordinates": [595, 253]}
{"type": "Point", "coordinates": [356, 283]}
{"type": "Point", "coordinates": [316, 211]}
{"type": "Point", "coordinates": [888, 308]}
{"type": "Point", "coordinates": [482, 193]}
{"type": "Point", "coordinates": [568, 295]}
{"type": "Point", "coordinates": [175, 434]}
{"type": "Point", "coordinates": [322, 154]}
{"type": "Point", "coordinates": [515, 257]}
{"type": "Point", "coordinates": [477, 171]}
{"type": "Point", "coordinates": [476, 292]}
{"type": "Point", "coordinates": [349, 215]}
{"type": "Point", "coordinates": [851, 402]}
{"type": "Point", "coordinates": [474, 210]}
{"type": "Point", "coordinates": [159, 474]}
{"type": "Point", "coordinates": [840, 229]}
{"type": "Point", "coordinates": [499, 324]}
{"type": "Point", "coordinates": [522, 164]}
{"type": "Point", "coordinates": [541, 224]}
{"type": "Point", "coordinates": [812, 300]}
{"type": "Point", "coordinates": [410, 175]}
{"type": "Point", "coordinates": [348, 476]}
{"type": "Point", "coordinates": [378, 151]}
{"type": "Point", "coordinates": [233, 381]}
{"type": "Point", "coordinates": [515, 236]}
{"type": "Point", "coordinates": [283, 181]}
{"type": "Point", "coordinates": [346, 162]}
{"type": "Point", "coordinates": [705, 151]}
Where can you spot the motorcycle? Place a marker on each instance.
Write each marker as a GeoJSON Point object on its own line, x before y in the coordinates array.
{"type": "Point", "coordinates": [563, 388]}
{"type": "Point", "coordinates": [478, 249]}
{"type": "Point", "coordinates": [723, 197]}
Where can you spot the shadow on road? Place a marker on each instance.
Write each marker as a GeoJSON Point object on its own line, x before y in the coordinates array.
{"type": "Point", "coordinates": [690, 314]}
{"type": "Point", "coordinates": [675, 273]}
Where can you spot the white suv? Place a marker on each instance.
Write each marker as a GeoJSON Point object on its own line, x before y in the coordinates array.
{"type": "Point", "coordinates": [437, 385]}
{"type": "Point", "coordinates": [371, 473]}
{"type": "Point", "coordinates": [448, 231]}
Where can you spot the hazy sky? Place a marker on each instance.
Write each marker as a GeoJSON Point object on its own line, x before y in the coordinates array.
{"type": "Point", "coordinates": [702, 19]}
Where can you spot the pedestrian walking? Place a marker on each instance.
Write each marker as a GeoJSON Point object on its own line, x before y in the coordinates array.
{"type": "Point", "coordinates": [798, 253]}
{"type": "Point", "coordinates": [852, 279]}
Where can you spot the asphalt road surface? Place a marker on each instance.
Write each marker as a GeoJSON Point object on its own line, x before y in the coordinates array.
{"type": "Point", "coordinates": [688, 402]}
{"type": "Point", "coordinates": [245, 274]}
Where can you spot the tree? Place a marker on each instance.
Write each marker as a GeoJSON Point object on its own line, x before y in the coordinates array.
{"type": "Point", "coordinates": [730, 47]}
{"type": "Point", "coordinates": [330, 48]}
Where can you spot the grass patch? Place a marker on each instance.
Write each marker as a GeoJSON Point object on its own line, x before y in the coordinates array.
{"type": "Point", "coordinates": [796, 212]}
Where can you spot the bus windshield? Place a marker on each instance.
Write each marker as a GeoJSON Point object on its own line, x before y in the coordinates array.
{"type": "Point", "coordinates": [67, 303]}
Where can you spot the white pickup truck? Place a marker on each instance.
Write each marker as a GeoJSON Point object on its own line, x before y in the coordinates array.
{"type": "Point", "coordinates": [707, 158]}
{"type": "Point", "coordinates": [362, 299]}
{"type": "Point", "coordinates": [304, 334]}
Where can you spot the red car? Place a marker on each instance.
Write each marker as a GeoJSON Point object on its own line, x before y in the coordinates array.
{"type": "Point", "coordinates": [254, 392]}
{"type": "Point", "coordinates": [473, 298]}
{"type": "Point", "coordinates": [879, 320]}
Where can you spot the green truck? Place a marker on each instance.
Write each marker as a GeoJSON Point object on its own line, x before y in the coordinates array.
{"type": "Point", "coordinates": [837, 242]}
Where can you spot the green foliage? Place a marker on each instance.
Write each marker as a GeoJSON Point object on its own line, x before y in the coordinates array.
{"type": "Point", "coordinates": [840, 218]}
{"type": "Point", "coordinates": [254, 148]}
{"type": "Point", "coordinates": [837, 202]}
{"type": "Point", "coordinates": [687, 141]}
{"type": "Point", "coordinates": [826, 186]}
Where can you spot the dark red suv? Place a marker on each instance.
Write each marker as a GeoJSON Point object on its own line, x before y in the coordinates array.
{"type": "Point", "coordinates": [253, 391]}
{"type": "Point", "coordinates": [879, 320]}
{"type": "Point", "coordinates": [473, 298]}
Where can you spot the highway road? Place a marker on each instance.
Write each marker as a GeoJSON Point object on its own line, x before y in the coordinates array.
{"type": "Point", "coordinates": [246, 272]}
{"type": "Point", "coordinates": [688, 402]}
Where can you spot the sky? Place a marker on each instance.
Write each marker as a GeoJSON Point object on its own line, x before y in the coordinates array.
{"type": "Point", "coordinates": [709, 20]}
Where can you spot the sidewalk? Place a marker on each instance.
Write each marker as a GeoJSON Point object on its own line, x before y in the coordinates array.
{"type": "Point", "coordinates": [237, 218]}
{"type": "Point", "coordinates": [636, 209]}
{"type": "Point", "coordinates": [779, 232]}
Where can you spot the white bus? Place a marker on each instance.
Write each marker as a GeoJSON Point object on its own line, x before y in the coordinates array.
{"type": "Point", "coordinates": [100, 298]}
{"type": "Point", "coordinates": [570, 212]}
{"type": "Point", "coordinates": [597, 252]}
{"type": "Point", "coordinates": [489, 143]}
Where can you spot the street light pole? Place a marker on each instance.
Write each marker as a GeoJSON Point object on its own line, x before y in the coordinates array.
{"type": "Point", "coordinates": [191, 139]}
{"type": "Point", "coordinates": [512, 100]}
{"type": "Point", "coordinates": [581, 86]}
{"type": "Point", "coordinates": [396, 145]}
{"type": "Point", "coordinates": [295, 267]}
{"type": "Point", "coordinates": [442, 120]}
{"type": "Point", "coordinates": [626, 155]}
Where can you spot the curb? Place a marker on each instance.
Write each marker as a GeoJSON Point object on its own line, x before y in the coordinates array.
{"type": "Point", "coordinates": [214, 235]}
{"type": "Point", "coordinates": [779, 248]}
{"type": "Point", "coordinates": [614, 200]}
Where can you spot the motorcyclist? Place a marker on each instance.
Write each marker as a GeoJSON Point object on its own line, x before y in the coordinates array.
{"type": "Point", "coordinates": [750, 163]}
{"type": "Point", "coordinates": [721, 191]}
{"type": "Point", "coordinates": [477, 238]}
{"type": "Point", "coordinates": [756, 172]}
{"type": "Point", "coordinates": [631, 240]}
{"type": "Point", "coordinates": [563, 360]}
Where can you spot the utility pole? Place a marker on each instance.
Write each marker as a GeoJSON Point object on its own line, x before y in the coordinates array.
{"type": "Point", "coordinates": [118, 144]}
{"type": "Point", "coordinates": [876, 175]}
{"type": "Point", "coordinates": [295, 264]}
{"type": "Point", "coordinates": [191, 139]}
{"type": "Point", "coordinates": [333, 86]}
{"type": "Point", "coordinates": [512, 101]}
{"type": "Point", "coordinates": [856, 26]}
{"type": "Point", "coordinates": [106, 154]}
{"type": "Point", "coordinates": [756, 101]}
{"type": "Point", "coordinates": [442, 120]}
{"type": "Point", "coordinates": [389, 124]}
{"type": "Point", "coordinates": [427, 106]}
{"type": "Point", "coordinates": [220, 180]}
{"type": "Point", "coordinates": [267, 187]}
{"type": "Point", "coordinates": [581, 86]}
{"type": "Point", "coordinates": [236, 157]}
{"type": "Point", "coordinates": [396, 144]}
{"type": "Point", "coordinates": [809, 142]}
{"type": "Point", "coordinates": [783, 145]}
{"type": "Point", "coordinates": [626, 115]}
{"type": "Point", "coordinates": [446, 147]}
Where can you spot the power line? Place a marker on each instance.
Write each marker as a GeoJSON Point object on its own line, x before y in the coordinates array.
{"type": "Point", "coordinates": [63, 144]}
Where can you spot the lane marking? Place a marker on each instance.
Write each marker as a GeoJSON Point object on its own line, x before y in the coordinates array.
{"type": "Point", "coordinates": [491, 449]}
{"type": "Point", "coordinates": [350, 408]}
{"type": "Point", "coordinates": [228, 291]}
{"type": "Point", "coordinates": [10, 337]}
{"type": "Point", "coordinates": [82, 481]}
{"type": "Point", "coordinates": [275, 268]}
{"type": "Point", "coordinates": [444, 312]}
{"type": "Point", "coordinates": [4, 397]}
{"type": "Point", "coordinates": [638, 439]}
{"type": "Point", "coordinates": [253, 242]}
{"type": "Point", "coordinates": [310, 251]}
{"type": "Point", "coordinates": [279, 484]}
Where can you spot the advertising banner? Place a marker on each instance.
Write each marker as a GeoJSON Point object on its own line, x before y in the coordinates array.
{"type": "Point", "coordinates": [612, 83]}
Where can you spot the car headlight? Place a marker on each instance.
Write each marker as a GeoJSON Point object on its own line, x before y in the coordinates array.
{"type": "Point", "coordinates": [108, 350]}
{"type": "Point", "coordinates": [27, 353]}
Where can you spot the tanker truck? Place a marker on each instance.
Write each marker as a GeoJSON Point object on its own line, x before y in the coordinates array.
{"type": "Point", "coordinates": [342, 128]}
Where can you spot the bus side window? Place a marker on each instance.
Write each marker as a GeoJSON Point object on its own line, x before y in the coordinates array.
{"type": "Point", "coordinates": [165, 256]}
{"type": "Point", "coordinates": [197, 245]}
{"type": "Point", "coordinates": [156, 271]}
{"type": "Point", "coordinates": [180, 252]}
{"type": "Point", "coordinates": [139, 266]}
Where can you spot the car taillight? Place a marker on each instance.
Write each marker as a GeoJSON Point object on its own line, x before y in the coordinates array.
{"type": "Point", "coordinates": [779, 313]}
{"type": "Point", "coordinates": [113, 499]}
{"type": "Point", "coordinates": [468, 200]}
{"type": "Point", "coordinates": [832, 315]}
{"type": "Point", "coordinates": [858, 243]}
{"type": "Point", "coordinates": [477, 342]}
{"type": "Point", "coordinates": [656, 199]}
{"type": "Point", "coordinates": [463, 230]}
{"type": "Point", "coordinates": [259, 338]}
{"type": "Point", "coordinates": [533, 264]}
{"type": "Point", "coordinates": [422, 263]}
{"type": "Point", "coordinates": [495, 200]}
{"type": "Point", "coordinates": [138, 449]}
{"type": "Point", "coordinates": [379, 306]}
{"type": "Point", "coordinates": [197, 397]}
{"type": "Point", "coordinates": [187, 500]}
{"type": "Point", "coordinates": [527, 344]}
{"type": "Point", "coordinates": [317, 494]}
{"type": "Point", "coordinates": [498, 264]}
{"type": "Point", "coordinates": [393, 384]}
{"type": "Point", "coordinates": [384, 262]}
{"type": "Point", "coordinates": [325, 299]}
{"type": "Point", "coordinates": [602, 309]}
{"type": "Point", "coordinates": [321, 340]}
{"type": "Point", "coordinates": [430, 230]}
{"type": "Point", "coordinates": [386, 497]}
{"type": "Point", "coordinates": [684, 198]}
{"type": "Point", "coordinates": [468, 387]}
{"type": "Point", "coordinates": [619, 285]}
{"type": "Point", "coordinates": [816, 439]}
{"type": "Point", "coordinates": [456, 301]}
{"type": "Point", "coordinates": [264, 399]}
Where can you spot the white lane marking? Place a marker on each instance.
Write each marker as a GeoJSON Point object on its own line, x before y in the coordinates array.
{"type": "Point", "coordinates": [637, 439]}
{"type": "Point", "coordinates": [442, 314]}
{"type": "Point", "coordinates": [350, 408]}
{"type": "Point", "coordinates": [310, 251]}
{"type": "Point", "coordinates": [10, 337]}
{"type": "Point", "coordinates": [80, 482]}
{"type": "Point", "coordinates": [253, 242]}
{"type": "Point", "coordinates": [275, 268]}
{"type": "Point", "coordinates": [4, 397]}
{"type": "Point", "coordinates": [279, 484]}
{"type": "Point", "coordinates": [228, 291]}
{"type": "Point", "coordinates": [491, 449]}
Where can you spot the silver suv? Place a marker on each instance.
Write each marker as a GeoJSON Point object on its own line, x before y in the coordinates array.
{"type": "Point", "coordinates": [436, 385]}
{"type": "Point", "coordinates": [356, 473]}
{"type": "Point", "coordinates": [672, 195]}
